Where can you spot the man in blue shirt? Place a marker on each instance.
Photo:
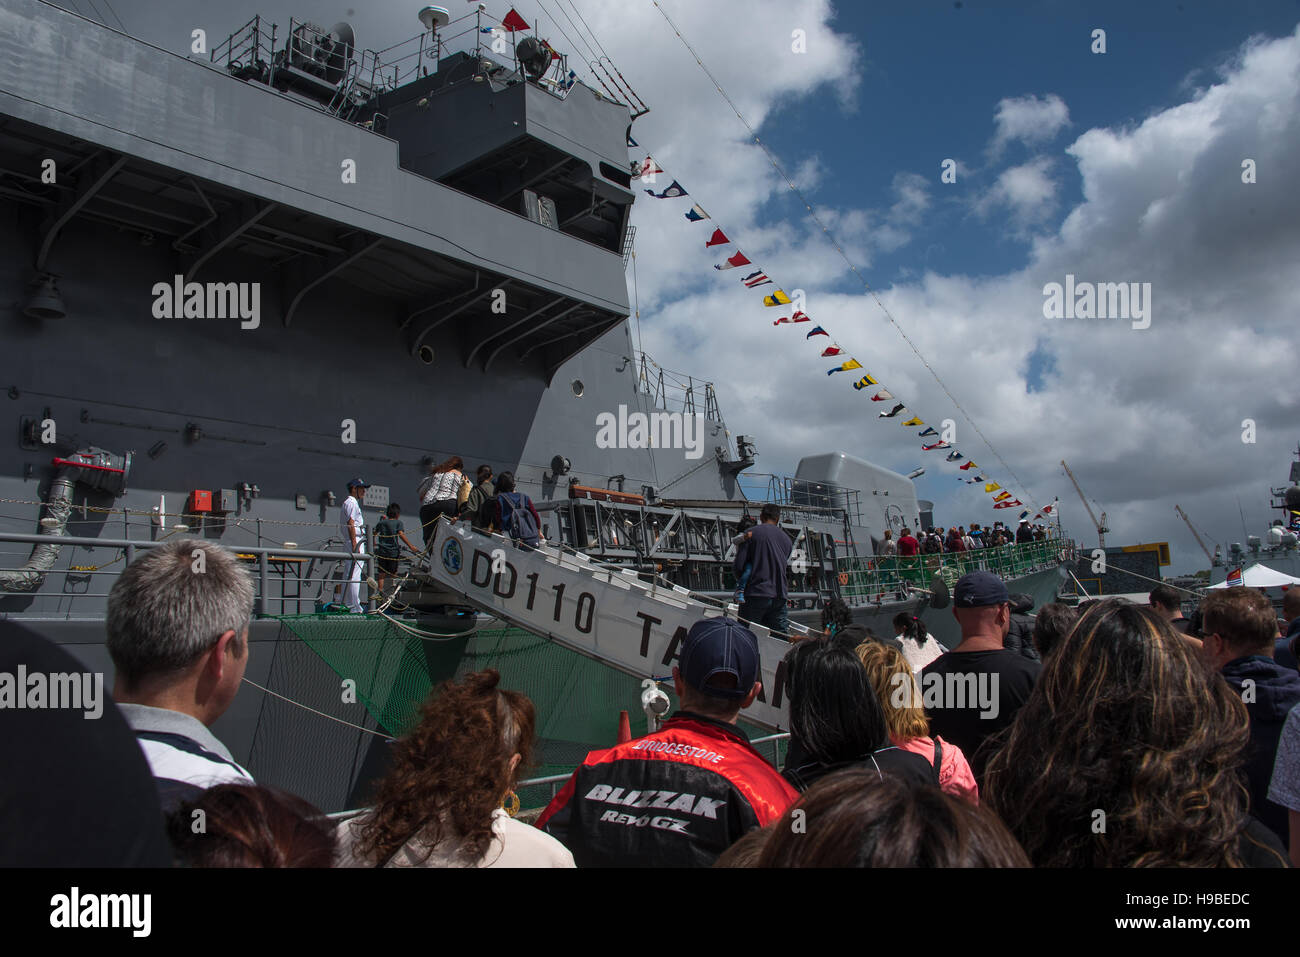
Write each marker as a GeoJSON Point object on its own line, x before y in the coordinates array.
{"type": "Point", "coordinates": [767, 550]}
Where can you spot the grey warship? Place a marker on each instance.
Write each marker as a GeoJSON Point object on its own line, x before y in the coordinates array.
{"type": "Point", "coordinates": [235, 280]}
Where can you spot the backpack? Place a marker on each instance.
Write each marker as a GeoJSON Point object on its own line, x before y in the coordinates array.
{"type": "Point", "coordinates": [938, 758]}
{"type": "Point", "coordinates": [486, 517]}
{"type": "Point", "coordinates": [519, 523]}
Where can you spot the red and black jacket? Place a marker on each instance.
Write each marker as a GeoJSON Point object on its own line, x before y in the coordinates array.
{"type": "Point", "coordinates": [675, 798]}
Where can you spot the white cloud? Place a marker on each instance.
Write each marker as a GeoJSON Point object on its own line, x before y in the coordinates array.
{"type": "Point", "coordinates": [1027, 191]}
{"type": "Point", "coordinates": [1028, 119]}
{"type": "Point", "coordinates": [1145, 418]}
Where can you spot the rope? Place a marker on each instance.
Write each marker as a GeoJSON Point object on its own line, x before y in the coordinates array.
{"type": "Point", "coordinates": [776, 164]}
{"type": "Point", "coordinates": [1126, 571]}
{"type": "Point", "coordinates": [299, 704]}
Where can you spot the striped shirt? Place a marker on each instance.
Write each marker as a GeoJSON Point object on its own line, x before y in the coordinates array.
{"type": "Point", "coordinates": [185, 757]}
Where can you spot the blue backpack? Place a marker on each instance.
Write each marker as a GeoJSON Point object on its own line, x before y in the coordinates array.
{"type": "Point", "coordinates": [517, 518]}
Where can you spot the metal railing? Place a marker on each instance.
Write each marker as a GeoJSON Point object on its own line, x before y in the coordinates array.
{"type": "Point", "coordinates": [273, 563]}
{"type": "Point", "coordinates": [865, 580]}
{"type": "Point", "coordinates": [819, 497]}
{"type": "Point", "coordinates": [676, 391]}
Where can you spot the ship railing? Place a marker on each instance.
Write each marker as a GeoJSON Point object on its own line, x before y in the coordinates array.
{"type": "Point", "coordinates": [676, 391]}
{"type": "Point", "coordinates": [818, 497]}
{"type": "Point", "coordinates": [476, 32]}
{"type": "Point", "coordinates": [866, 580]}
{"type": "Point", "coordinates": [247, 50]}
{"type": "Point", "coordinates": [288, 571]}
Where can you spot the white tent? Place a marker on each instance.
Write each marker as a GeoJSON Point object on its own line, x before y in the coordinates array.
{"type": "Point", "coordinates": [1261, 576]}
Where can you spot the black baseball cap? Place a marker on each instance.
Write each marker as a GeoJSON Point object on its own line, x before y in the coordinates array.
{"type": "Point", "coordinates": [979, 590]}
{"type": "Point", "coordinates": [357, 483]}
{"type": "Point", "coordinates": [717, 646]}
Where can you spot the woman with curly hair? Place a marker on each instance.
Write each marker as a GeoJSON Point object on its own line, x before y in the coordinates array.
{"type": "Point", "coordinates": [441, 803]}
{"type": "Point", "coordinates": [896, 690]}
{"type": "Point", "coordinates": [1127, 755]}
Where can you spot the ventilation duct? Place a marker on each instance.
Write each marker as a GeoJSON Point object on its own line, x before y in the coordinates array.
{"type": "Point", "coordinates": [93, 467]}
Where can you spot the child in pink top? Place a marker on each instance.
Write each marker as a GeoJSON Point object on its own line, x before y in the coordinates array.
{"type": "Point", "coordinates": [955, 776]}
{"type": "Point", "coordinates": [909, 729]}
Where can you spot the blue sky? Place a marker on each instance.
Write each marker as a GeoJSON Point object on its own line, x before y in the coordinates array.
{"type": "Point", "coordinates": [926, 93]}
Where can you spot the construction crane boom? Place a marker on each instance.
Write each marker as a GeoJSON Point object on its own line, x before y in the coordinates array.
{"type": "Point", "coordinates": [1101, 526]}
{"type": "Point", "coordinates": [1188, 521]}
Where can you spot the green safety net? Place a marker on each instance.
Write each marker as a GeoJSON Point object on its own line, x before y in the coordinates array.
{"type": "Point", "coordinates": [577, 699]}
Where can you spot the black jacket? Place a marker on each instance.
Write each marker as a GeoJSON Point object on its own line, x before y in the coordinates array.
{"type": "Point", "coordinates": [1020, 637]}
{"type": "Point", "coordinates": [889, 760]}
{"type": "Point", "coordinates": [1276, 690]}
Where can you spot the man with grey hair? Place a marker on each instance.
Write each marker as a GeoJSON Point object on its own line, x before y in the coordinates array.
{"type": "Point", "coordinates": [178, 635]}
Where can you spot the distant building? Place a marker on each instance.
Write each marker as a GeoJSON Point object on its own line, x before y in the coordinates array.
{"type": "Point", "coordinates": [1129, 569]}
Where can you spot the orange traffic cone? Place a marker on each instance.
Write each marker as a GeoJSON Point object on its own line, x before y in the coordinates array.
{"type": "Point", "coordinates": [624, 728]}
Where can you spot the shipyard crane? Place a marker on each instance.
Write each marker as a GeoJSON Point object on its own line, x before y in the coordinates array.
{"type": "Point", "coordinates": [1101, 526]}
{"type": "Point", "coordinates": [1188, 521]}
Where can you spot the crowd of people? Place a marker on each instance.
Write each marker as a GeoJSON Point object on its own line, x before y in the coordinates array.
{"type": "Point", "coordinates": [941, 540]}
{"type": "Point", "coordinates": [1129, 741]}
{"type": "Point", "coordinates": [489, 504]}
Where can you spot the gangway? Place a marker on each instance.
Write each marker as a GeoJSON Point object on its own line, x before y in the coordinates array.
{"type": "Point", "coordinates": [605, 612]}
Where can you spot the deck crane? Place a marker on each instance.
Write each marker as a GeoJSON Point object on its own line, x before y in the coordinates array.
{"type": "Point", "coordinates": [1188, 521]}
{"type": "Point", "coordinates": [1101, 526]}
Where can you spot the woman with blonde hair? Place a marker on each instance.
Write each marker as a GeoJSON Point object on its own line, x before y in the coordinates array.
{"type": "Point", "coordinates": [440, 805]}
{"type": "Point", "coordinates": [909, 729]}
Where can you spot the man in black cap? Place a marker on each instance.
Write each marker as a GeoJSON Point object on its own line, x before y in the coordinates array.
{"type": "Point", "coordinates": [975, 690]}
{"type": "Point", "coordinates": [681, 796]}
{"type": "Point", "coordinates": [352, 524]}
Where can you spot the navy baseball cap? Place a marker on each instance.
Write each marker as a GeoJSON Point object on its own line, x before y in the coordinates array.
{"type": "Point", "coordinates": [719, 646]}
{"type": "Point", "coordinates": [357, 483]}
{"type": "Point", "coordinates": [979, 590]}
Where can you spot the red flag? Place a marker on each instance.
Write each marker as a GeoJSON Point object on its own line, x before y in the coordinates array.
{"type": "Point", "coordinates": [1013, 503]}
{"type": "Point", "coordinates": [968, 465]}
{"type": "Point", "coordinates": [734, 261]}
{"type": "Point", "coordinates": [717, 239]}
{"type": "Point", "coordinates": [514, 21]}
{"type": "Point", "coordinates": [833, 351]}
